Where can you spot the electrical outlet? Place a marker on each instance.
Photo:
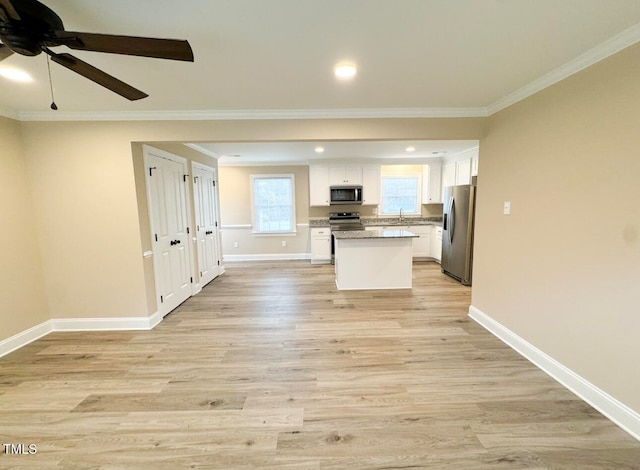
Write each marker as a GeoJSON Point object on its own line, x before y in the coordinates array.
{"type": "Point", "coordinates": [506, 210]}
{"type": "Point", "coordinates": [236, 244]}
{"type": "Point", "coordinates": [284, 243]}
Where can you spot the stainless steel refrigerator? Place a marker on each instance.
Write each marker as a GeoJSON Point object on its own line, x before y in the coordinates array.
{"type": "Point", "coordinates": [457, 232]}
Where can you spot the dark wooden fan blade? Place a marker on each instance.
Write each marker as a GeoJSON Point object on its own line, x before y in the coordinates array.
{"type": "Point", "coordinates": [10, 10]}
{"type": "Point", "coordinates": [4, 52]}
{"type": "Point", "coordinates": [97, 76]}
{"type": "Point", "coordinates": [174, 49]}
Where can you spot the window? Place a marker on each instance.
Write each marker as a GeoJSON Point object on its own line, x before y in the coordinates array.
{"type": "Point", "coordinates": [273, 203]}
{"type": "Point", "coordinates": [400, 192]}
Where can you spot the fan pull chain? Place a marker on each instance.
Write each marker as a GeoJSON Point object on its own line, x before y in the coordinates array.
{"type": "Point", "coordinates": [53, 101]}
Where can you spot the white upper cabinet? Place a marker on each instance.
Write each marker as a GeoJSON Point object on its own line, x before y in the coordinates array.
{"type": "Point", "coordinates": [448, 175]}
{"type": "Point", "coordinates": [318, 185]}
{"type": "Point", "coordinates": [474, 166]}
{"type": "Point", "coordinates": [345, 174]}
{"type": "Point", "coordinates": [463, 171]}
{"type": "Point", "coordinates": [371, 184]}
{"type": "Point", "coordinates": [321, 177]}
{"type": "Point", "coordinates": [431, 183]}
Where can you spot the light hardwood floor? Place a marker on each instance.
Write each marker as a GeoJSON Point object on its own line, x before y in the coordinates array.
{"type": "Point", "coordinates": [271, 367]}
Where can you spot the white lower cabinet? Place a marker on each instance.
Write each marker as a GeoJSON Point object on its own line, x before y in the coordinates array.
{"type": "Point", "coordinates": [320, 245]}
{"type": "Point", "coordinates": [436, 243]}
{"type": "Point", "coordinates": [422, 244]}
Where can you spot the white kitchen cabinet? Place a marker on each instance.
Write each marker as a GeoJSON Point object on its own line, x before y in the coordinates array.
{"type": "Point", "coordinates": [345, 174]}
{"type": "Point", "coordinates": [321, 177]}
{"type": "Point", "coordinates": [449, 174]}
{"type": "Point", "coordinates": [371, 184]}
{"type": "Point", "coordinates": [422, 244]}
{"type": "Point", "coordinates": [436, 244]}
{"type": "Point", "coordinates": [432, 183]}
{"type": "Point", "coordinates": [474, 166]}
{"type": "Point", "coordinates": [318, 185]}
{"type": "Point", "coordinates": [463, 171]}
{"type": "Point", "coordinates": [320, 245]}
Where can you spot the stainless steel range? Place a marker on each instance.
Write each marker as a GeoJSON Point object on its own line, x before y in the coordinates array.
{"type": "Point", "coordinates": [339, 221]}
{"type": "Point", "coordinates": [345, 221]}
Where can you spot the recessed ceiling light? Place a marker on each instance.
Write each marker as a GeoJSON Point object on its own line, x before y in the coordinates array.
{"type": "Point", "coordinates": [345, 71]}
{"type": "Point", "coordinates": [319, 149]}
{"type": "Point", "coordinates": [410, 149]}
{"type": "Point", "coordinates": [16, 75]}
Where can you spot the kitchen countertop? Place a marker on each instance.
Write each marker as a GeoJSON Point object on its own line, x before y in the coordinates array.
{"type": "Point", "coordinates": [366, 234]}
{"type": "Point", "coordinates": [384, 221]}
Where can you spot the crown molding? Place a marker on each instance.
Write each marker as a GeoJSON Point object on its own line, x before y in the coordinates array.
{"type": "Point", "coordinates": [202, 150]}
{"type": "Point", "coordinates": [8, 113]}
{"type": "Point", "coordinates": [251, 114]}
{"type": "Point", "coordinates": [613, 45]}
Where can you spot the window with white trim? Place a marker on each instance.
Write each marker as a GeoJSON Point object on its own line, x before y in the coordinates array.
{"type": "Point", "coordinates": [400, 192]}
{"type": "Point", "coordinates": [273, 203]}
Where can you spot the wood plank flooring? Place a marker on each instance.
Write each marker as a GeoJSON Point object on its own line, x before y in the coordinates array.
{"type": "Point", "coordinates": [270, 367]}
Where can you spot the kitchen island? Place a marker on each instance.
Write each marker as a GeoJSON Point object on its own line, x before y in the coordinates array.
{"type": "Point", "coordinates": [373, 259]}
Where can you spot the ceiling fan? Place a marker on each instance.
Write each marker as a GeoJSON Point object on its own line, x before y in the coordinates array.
{"type": "Point", "coordinates": [28, 27]}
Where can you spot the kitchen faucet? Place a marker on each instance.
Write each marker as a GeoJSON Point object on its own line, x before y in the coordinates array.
{"type": "Point", "coordinates": [401, 216]}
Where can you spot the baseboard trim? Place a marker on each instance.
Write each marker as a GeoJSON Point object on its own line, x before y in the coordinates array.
{"type": "Point", "coordinates": [268, 257]}
{"type": "Point", "coordinates": [613, 409]}
{"type": "Point", "coordinates": [105, 324]}
{"type": "Point", "coordinates": [77, 324]}
{"type": "Point", "coordinates": [25, 337]}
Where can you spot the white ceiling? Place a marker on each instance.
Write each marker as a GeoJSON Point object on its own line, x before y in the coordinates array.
{"type": "Point", "coordinates": [253, 55]}
{"type": "Point", "coordinates": [274, 58]}
{"type": "Point", "coordinates": [282, 153]}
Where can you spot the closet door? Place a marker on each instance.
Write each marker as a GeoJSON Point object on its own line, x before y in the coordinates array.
{"type": "Point", "coordinates": [205, 193]}
{"type": "Point", "coordinates": [166, 176]}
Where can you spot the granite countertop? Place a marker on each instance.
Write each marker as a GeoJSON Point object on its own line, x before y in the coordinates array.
{"type": "Point", "coordinates": [384, 221]}
{"type": "Point", "coordinates": [366, 234]}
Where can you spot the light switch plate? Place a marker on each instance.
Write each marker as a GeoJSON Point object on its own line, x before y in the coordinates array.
{"type": "Point", "coordinates": [507, 208]}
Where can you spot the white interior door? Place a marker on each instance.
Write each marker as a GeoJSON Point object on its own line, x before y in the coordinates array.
{"type": "Point", "coordinates": [205, 199]}
{"type": "Point", "coordinates": [167, 197]}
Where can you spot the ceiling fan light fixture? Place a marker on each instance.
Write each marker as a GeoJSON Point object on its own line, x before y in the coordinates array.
{"type": "Point", "coordinates": [15, 75]}
{"type": "Point", "coordinates": [345, 70]}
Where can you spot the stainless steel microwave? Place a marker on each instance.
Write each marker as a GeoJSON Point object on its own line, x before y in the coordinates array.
{"type": "Point", "coordinates": [345, 195]}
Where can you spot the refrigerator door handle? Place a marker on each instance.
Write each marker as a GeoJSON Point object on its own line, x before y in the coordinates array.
{"type": "Point", "coordinates": [444, 222]}
{"type": "Point", "coordinates": [452, 212]}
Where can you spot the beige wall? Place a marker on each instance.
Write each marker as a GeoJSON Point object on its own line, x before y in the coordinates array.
{"type": "Point", "coordinates": [235, 210]}
{"type": "Point", "coordinates": [562, 271]}
{"type": "Point", "coordinates": [22, 297]}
